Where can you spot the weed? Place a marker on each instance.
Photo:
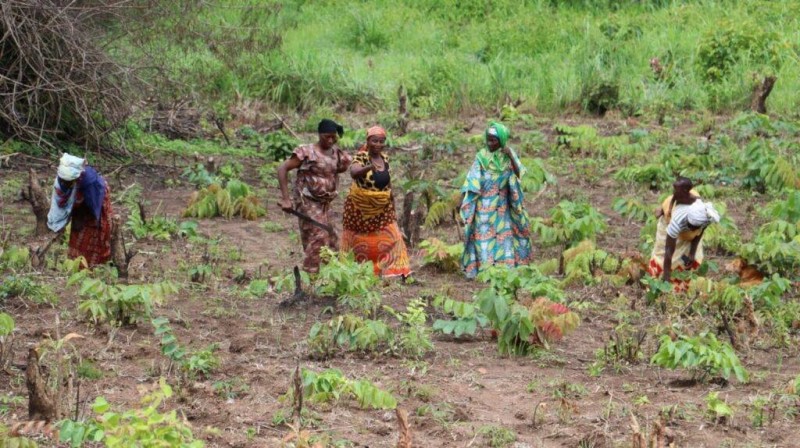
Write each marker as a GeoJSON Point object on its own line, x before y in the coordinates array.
{"type": "Point", "coordinates": [497, 436]}
{"type": "Point", "coordinates": [87, 370]}
{"type": "Point", "coordinates": [718, 408]}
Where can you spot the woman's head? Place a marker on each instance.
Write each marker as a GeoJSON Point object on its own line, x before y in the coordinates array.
{"type": "Point", "coordinates": [681, 190]}
{"type": "Point", "coordinates": [70, 168]}
{"type": "Point", "coordinates": [329, 132]}
{"type": "Point", "coordinates": [376, 139]}
{"type": "Point", "coordinates": [496, 136]}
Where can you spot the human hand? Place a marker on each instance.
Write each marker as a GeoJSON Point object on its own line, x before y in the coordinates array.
{"type": "Point", "coordinates": [659, 212]}
{"type": "Point", "coordinates": [285, 204]}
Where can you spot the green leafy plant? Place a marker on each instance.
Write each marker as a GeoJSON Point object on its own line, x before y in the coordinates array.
{"type": "Point", "coordinates": [443, 256]}
{"type": "Point", "coordinates": [527, 279]}
{"type": "Point", "coordinates": [631, 208]}
{"type": "Point", "coordinates": [569, 224]}
{"type": "Point", "coordinates": [353, 284]}
{"type": "Point", "coordinates": [331, 385]}
{"type": "Point", "coordinates": [25, 287]}
{"type": "Point", "coordinates": [466, 317]}
{"type": "Point", "coordinates": [717, 407]}
{"type": "Point", "coordinates": [414, 338]}
{"type": "Point", "coordinates": [703, 355]}
{"type": "Point", "coordinates": [235, 199]}
{"type": "Point", "coordinates": [278, 146]}
{"type": "Point", "coordinates": [14, 258]}
{"type": "Point", "coordinates": [201, 362]}
{"type": "Point", "coordinates": [145, 426]}
{"type": "Point", "coordinates": [121, 304]}
{"type": "Point", "coordinates": [349, 332]}
{"type": "Point", "coordinates": [6, 324]}
{"type": "Point", "coordinates": [496, 436]}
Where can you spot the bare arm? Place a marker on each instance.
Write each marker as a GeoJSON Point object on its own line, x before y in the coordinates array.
{"type": "Point", "coordinates": [669, 250]}
{"type": "Point", "coordinates": [514, 165]}
{"type": "Point", "coordinates": [358, 171]}
{"type": "Point", "coordinates": [695, 244]}
{"type": "Point", "coordinates": [289, 164]}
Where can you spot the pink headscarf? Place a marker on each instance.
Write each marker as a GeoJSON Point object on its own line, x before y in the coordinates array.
{"type": "Point", "coordinates": [371, 132]}
{"type": "Point", "coordinates": [376, 130]}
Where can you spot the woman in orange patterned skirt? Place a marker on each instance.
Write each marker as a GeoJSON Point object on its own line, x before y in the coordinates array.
{"type": "Point", "coordinates": [81, 195]}
{"type": "Point", "coordinates": [370, 221]}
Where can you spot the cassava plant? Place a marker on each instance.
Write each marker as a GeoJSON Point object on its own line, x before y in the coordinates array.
{"type": "Point", "coordinates": [569, 224]}
{"type": "Point", "coordinates": [353, 284]}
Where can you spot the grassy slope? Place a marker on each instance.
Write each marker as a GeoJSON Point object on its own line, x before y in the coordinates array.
{"type": "Point", "coordinates": [464, 55]}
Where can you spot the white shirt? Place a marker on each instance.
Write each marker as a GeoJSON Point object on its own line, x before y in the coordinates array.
{"type": "Point", "coordinates": [680, 220]}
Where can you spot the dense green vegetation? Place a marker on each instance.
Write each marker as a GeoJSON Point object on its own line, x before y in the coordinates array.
{"type": "Point", "coordinates": [467, 55]}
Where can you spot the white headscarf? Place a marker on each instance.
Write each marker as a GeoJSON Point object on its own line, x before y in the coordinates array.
{"type": "Point", "coordinates": [702, 214]}
{"type": "Point", "coordinates": [70, 167]}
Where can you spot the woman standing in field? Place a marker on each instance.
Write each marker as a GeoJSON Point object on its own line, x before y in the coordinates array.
{"type": "Point", "coordinates": [496, 225]}
{"type": "Point", "coordinates": [370, 221]}
{"type": "Point", "coordinates": [682, 220]}
{"type": "Point", "coordinates": [318, 166]}
{"type": "Point", "coordinates": [82, 196]}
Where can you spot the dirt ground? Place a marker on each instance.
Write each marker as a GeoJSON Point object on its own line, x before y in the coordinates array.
{"type": "Point", "coordinates": [452, 395]}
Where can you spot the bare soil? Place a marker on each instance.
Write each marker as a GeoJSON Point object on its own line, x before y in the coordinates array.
{"type": "Point", "coordinates": [452, 394]}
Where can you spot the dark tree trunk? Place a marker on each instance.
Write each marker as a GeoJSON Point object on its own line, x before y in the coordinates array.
{"type": "Point", "coordinates": [760, 93]}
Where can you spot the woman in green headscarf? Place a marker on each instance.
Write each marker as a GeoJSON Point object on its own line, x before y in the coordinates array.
{"type": "Point", "coordinates": [497, 230]}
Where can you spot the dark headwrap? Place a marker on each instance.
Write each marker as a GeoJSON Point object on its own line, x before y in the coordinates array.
{"type": "Point", "coordinates": [327, 126]}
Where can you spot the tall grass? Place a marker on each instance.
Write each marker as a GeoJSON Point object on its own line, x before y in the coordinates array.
{"type": "Point", "coordinates": [455, 56]}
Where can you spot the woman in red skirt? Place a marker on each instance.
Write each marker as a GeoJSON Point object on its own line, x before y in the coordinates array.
{"type": "Point", "coordinates": [81, 195]}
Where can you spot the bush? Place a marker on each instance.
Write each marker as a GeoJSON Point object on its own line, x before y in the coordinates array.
{"type": "Point", "coordinates": [726, 45]}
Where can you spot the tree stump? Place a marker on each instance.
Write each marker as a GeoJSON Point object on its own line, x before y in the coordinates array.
{"type": "Point", "coordinates": [404, 440]}
{"type": "Point", "coordinates": [758, 103]}
{"type": "Point", "coordinates": [408, 215]}
{"type": "Point", "coordinates": [118, 253]}
{"type": "Point", "coordinates": [39, 201]}
{"type": "Point", "coordinates": [41, 403]}
{"type": "Point", "coordinates": [402, 110]}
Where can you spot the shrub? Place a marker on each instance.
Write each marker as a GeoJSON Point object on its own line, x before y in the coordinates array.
{"type": "Point", "coordinates": [726, 45]}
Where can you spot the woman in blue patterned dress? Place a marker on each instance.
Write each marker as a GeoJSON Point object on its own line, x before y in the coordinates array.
{"type": "Point", "coordinates": [497, 230]}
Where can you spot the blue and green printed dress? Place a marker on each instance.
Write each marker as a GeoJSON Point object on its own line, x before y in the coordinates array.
{"type": "Point", "coordinates": [497, 229]}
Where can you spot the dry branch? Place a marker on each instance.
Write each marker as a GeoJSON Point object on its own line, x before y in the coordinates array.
{"type": "Point", "coordinates": [178, 120]}
{"type": "Point", "coordinates": [298, 396]}
{"type": "Point", "coordinates": [55, 82]}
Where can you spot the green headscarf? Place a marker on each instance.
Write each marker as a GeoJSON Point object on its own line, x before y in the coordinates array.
{"type": "Point", "coordinates": [498, 130]}
{"type": "Point", "coordinates": [496, 160]}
